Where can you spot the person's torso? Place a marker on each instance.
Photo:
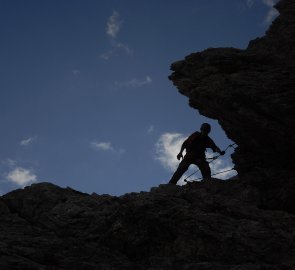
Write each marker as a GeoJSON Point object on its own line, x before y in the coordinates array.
{"type": "Point", "coordinates": [197, 145]}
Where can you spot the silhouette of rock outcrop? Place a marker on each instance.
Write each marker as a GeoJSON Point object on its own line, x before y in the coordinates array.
{"type": "Point", "coordinates": [245, 224]}
{"type": "Point", "coordinates": [251, 94]}
{"type": "Point", "coordinates": [213, 225]}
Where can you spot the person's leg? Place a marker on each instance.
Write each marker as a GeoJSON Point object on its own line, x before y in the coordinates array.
{"type": "Point", "coordinates": [205, 169]}
{"type": "Point", "coordinates": [182, 168]}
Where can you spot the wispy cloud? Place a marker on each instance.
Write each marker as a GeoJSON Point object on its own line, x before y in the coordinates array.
{"type": "Point", "coordinates": [102, 146]}
{"type": "Point", "coordinates": [21, 176]}
{"type": "Point", "coordinates": [114, 25]}
{"type": "Point", "coordinates": [27, 141]}
{"type": "Point", "coordinates": [167, 148]}
{"type": "Point", "coordinates": [272, 13]}
{"type": "Point", "coordinates": [115, 50]}
{"type": "Point", "coordinates": [106, 147]}
{"type": "Point", "coordinates": [124, 47]}
{"type": "Point", "coordinates": [151, 129]}
{"type": "Point", "coordinates": [135, 82]}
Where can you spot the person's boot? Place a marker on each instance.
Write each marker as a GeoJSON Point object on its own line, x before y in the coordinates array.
{"type": "Point", "coordinates": [172, 182]}
{"type": "Point", "coordinates": [207, 179]}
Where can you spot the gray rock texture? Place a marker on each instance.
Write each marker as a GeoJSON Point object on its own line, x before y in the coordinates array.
{"type": "Point", "coordinates": [210, 225]}
{"type": "Point", "coordinates": [239, 224]}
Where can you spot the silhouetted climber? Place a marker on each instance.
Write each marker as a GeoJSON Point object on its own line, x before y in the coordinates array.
{"type": "Point", "coordinates": [195, 146]}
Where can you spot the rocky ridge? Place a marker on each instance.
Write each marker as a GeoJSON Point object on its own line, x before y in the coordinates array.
{"type": "Point", "coordinates": [242, 224]}
{"type": "Point", "coordinates": [210, 225]}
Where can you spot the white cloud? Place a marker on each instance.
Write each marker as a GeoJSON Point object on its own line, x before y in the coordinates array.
{"type": "Point", "coordinates": [135, 82]}
{"type": "Point", "coordinates": [272, 13]}
{"type": "Point", "coordinates": [221, 164]}
{"type": "Point", "coordinates": [102, 146]}
{"type": "Point", "coordinates": [107, 147]}
{"type": "Point", "coordinates": [113, 27]}
{"type": "Point", "coordinates": [27, 142]}
{"type": "Point", "coordinates": [113, 24]}
{"type": "Point", "coordinates": [167, 148]}
{"type": "Point", "coordinates": [21, 176]}
{"type": "Point", "coordinates": [116, 49]}
{"type": "Point", "coordinates": [151, 129]}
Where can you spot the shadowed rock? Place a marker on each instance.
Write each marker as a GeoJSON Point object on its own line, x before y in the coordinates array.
{"type": "Point", "coordinates": [245, 224]}
{"type": "Point", "coordinates": [211, 225]}
{"type": "Point", "coordinates": [251, 93]}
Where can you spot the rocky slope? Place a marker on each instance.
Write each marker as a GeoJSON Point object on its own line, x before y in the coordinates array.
{"type": "Point", "coordinates": [216, 225]}
{"type": "Point", "coordinates": [242, 224]}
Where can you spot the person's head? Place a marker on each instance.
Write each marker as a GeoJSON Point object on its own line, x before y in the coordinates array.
{"type": "Point", "coordinates": [205, 128]}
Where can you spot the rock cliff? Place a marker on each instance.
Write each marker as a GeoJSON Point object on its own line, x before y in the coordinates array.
{"type": "Point", "coordinates": [242, 224]}
{"type": "Point", "coordinates": [251, 93]}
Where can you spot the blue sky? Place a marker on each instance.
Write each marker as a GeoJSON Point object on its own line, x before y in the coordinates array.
{"type": "Point", "coordinates": [85, 100]}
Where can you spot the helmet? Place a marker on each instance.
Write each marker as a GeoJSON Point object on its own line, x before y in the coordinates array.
{"type": "Point", "coordinates": [205, 127]}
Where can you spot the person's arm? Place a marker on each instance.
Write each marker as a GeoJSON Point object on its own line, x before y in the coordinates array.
{"type": "Point", "coordinates": [183, 146]}
{"type": "Point", "coordinates": [215, 148]}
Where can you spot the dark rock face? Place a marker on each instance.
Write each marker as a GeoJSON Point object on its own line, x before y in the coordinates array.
{"type": "Point", "coordinates": [215, 225]}
{"type": "Point", "coordinates": [251, 93]}
{"type": "Point", "coordinates": [245, 224]}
